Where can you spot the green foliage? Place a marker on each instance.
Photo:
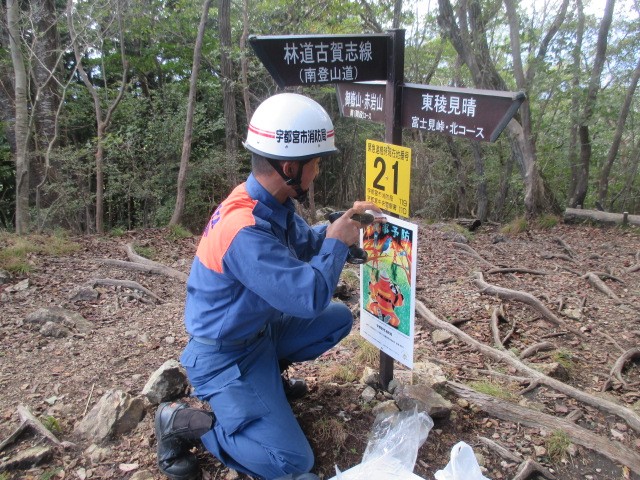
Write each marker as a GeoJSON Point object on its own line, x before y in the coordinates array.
{"type": "Point", "coordinates": [52, 424]}
{"type": "Point", "coordinates": [459, 229]}
{"type": "Point", "coordinates": [557, 444]}
{"type": "Point", "coordinates": [547, 221]}
{"type": "Point", "coordinates": [564, 357]}
{"type": "Point", "coordinates": [146, 252]}
{"type": "Point", "coordinates": [178, 232]}
{"type": "Point", "coordinates": [365, 352]}
{"type": "Point", "coordinates": [4, 476]}
{"type": "Point", "coordinates": [493, 389]}
{"type": "Point", "coordinates": [144, 141]}
{"type": "Point", "coordinates": [15, 251]}
{"type": "Point", "coordinates": [517, 225]}
{"type": "Point", "coordinates": [344, 373]}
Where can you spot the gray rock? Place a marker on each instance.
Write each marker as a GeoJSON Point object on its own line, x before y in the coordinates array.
{"type": "Point", "coordinates": [455, 237]}
{"type": "Point", "coordinates": [370, 377]}
{"type": "Point", "coordinates": [116, 413]}
{"type": "Point", "coordinates": [368, 394]}
{"type": "Point", "coordinates": [4, 277]}
{"type": "Point", "coordinates": [393, 384]}
{"type": "Point", "coordinates": [441, 336]}
{"type": "Point", "coordinates": [167, 383]}
{"type": "Point", "coordinates": [424, 398]}
{"type": "Point", "coordinates": [67, 318]}
{"type": "Point", "coordinates": [18, 287]}
{"type": "Point", "coordinates": [427, 373]}
{"type": "Point", "coordinates": [387, 408]}
{"type": "Point", "coordinates": [97, 454]}
{"type": "Point", "coordinates": [84, 294]}
{"type": "Point", "coordinates": [55, 330]}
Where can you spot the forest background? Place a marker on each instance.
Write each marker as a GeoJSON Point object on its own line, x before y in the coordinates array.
{"type": "Point", "coordinates": [122, 114]}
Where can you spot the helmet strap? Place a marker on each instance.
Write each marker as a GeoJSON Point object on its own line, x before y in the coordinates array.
{"type": "Point", "coordinates": [301, 195]}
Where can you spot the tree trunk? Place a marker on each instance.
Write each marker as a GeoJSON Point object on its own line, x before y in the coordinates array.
{"type": "Point", "coordinates": [22, 119]}
{"type": "Point", "coordinates": [228, 94]}
{"type": "Point", "coordinates": [582, 181]}
{"type": "Point", "coordinates": [575, 105]}
{"type": "Point", "coordinates": [176, 218]}
{"type": "Point", "coordinates": [482, 200]}
{"type": "Point", "coordinates": [45, 105]}
{"type": "Point", "coordinates": [631, 176]}
{"type": "Point", "coordinates": [503, 192]}
{"type": "Point", "coordinates": [245, 60]}
{"type": "Point", "coordinates": [46, 52]}
{"type": "Point", "coordinates": [617, 137]}
{"type": "Point", "coordinates": [461, 179]}
{"type": "Point", "coordinates": [466, 30]}
{"type": "Point", "coordinates": [6, 89]}
{"type": "Point", "coordinates": [101, 123]}
{"type": "Point", "coordinates": [397, 14]}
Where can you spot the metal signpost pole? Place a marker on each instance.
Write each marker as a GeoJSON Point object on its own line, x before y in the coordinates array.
{"type": "Point", "coordinates": [393, 135]}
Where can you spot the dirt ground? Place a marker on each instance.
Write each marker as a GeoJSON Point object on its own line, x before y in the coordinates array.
{"type": "Point", "coordinates": [63, 377]}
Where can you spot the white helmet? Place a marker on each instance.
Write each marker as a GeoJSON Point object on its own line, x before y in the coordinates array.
{"type": "Point", "coordinates": [289, 126]}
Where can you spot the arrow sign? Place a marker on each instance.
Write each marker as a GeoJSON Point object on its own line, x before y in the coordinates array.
{"type": "Point", "coordinates": [318, 59]}
{"type": "Point", "coordinates": [460, 112]}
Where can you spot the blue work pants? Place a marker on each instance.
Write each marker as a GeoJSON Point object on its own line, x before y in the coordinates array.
{"type": "Point", "coordinates": [255, 431]}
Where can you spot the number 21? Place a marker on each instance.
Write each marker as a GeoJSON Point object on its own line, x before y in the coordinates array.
{"type": "Point", "coordinates": [379, 162]}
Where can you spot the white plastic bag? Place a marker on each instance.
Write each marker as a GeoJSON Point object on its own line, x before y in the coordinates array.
{"type": "Point", "coordinates": [392, 448]}
{"type": "Point", "coordinates": [462, 466]}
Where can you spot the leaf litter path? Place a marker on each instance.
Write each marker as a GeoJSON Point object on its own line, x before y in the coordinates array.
{"type": "Point", "coordinates": [63, 377]}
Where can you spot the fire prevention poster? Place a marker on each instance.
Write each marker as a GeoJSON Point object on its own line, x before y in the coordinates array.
{"type": "Point", "coordinates": [388, 287]}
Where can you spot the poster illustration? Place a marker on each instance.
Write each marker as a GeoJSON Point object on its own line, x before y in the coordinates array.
{"type": "Point", "coordinates": [387, 288]}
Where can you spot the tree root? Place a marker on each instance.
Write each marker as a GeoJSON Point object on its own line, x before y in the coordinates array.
{"type": "Point", "coordinates": [616, 371]}
{"type": "Point", "coordinates": [600, 285]}
{"type": "Point", "coordinates": [529, 467]}
{"type": "Point", "coordinates": [126, 284]}
{"type": "Point", "coordinates": [569, 251]}
{"type": "Point", "coordinates": [524, 297]}
{"type": "Point", "coordinates": [526, 468]}
{"type": "Point", "coordinates": [470, 251]}
{"type": "Point", "coordinates": [517, 270]}
{"type": "Point", "coordinates": [29, 421]}
{"type": "Point", "coordinates": [632, 418]}
{"type": "Point", "coordinates": [496, 316]}
{"type": "Point", "coordinates": [158, 267]}
{"type": "Point", "coordinates": [511, 412]}
{"type": "Point", "coordinates": [538, 347]}
{"type": "Point", "coordinates": [559, 256]}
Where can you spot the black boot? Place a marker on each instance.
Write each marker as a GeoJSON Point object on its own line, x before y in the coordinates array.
{"type": "Point", "coordinates": [177, 428]}
{"type": "Point", "coordinates": [294, 388]}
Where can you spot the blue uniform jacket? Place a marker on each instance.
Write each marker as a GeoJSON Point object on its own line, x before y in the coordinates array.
{"type": "Point", "coordinates": [257, 259]}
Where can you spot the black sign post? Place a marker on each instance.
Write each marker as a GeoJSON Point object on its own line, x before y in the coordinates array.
{"type": "Point", "coordinates": [393, 135]}
{"type": "Point", "coordinates": [376, 63]}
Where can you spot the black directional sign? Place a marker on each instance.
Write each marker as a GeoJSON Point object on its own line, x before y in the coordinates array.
{"type": "Point", "coordinates": [317, 59]}
{"type": "Point", "coordinates": [460, 112]}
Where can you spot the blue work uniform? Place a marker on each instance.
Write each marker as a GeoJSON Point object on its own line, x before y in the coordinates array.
{"type": "Point", "coordinates": [259, 292]}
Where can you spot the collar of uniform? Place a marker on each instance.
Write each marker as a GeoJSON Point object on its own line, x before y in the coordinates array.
{"type": "Point", "coordinates": [273, 210]}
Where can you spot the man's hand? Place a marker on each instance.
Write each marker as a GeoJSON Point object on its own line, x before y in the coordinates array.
{"type": "Point", "coordinates": [345, 226]}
